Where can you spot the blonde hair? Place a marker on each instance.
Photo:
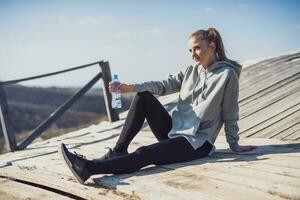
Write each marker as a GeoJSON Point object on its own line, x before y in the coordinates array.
{"type": "Point", "coordinates": [212, 35]}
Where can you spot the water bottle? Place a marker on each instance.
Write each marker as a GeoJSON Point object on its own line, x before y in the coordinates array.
{"type": "Point", "coordinates": [116, 93]}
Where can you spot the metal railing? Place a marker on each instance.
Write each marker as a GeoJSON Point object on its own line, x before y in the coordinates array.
{"type": "Point", "coordinates": [8, 132]}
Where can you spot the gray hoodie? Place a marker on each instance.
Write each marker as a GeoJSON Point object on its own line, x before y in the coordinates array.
{"type": "Point", "coordinates": [207, 98]}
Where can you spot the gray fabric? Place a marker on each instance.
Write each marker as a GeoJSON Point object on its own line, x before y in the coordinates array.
{"type": "Point", "coordinates": [207, 98]}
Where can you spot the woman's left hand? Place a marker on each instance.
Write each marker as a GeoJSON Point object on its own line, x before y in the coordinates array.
{"type": "Point", "coordinates": [244, 148]}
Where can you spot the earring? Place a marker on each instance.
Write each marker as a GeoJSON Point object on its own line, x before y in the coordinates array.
{"type": "Point", "coordinates": [217, 55]}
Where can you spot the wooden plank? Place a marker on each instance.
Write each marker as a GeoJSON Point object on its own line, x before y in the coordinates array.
{"type": "Point", "coordinates": [289, 132]}
{"type": "Point", "coordinates": [254, 74]}
{"type": "Point", "coordinates": [271, 121]}
{"type": "Point", "coordinates": [259, 86]}
{"type": "Point", "coordinates": [271, 89]}
{"type": "Point", "coordinates": [290, 176]}
{"type": "Point", "coordinates": [267, 77]}
{"type": "Point", "coordinates": [276, 160]}
{"type": "Point", "coordinates": [294, 136]}
{"type": "Point", "coordinates": [285, 171]}
{"type": "Point", "coordinates": [149, 183]}
{"type": "Point", "coordinates": [264, 114]}
{"type": "Point", "coordinates": [268, 63]}
{"type": "Point", "coordinates": [279, 127]}
{"type": "Point", "coordinates": [36, 153]}
{"type": "Point", "coordinates": [268, 148]}
{"type": "Point", "coordinates": [269, 99]}
{"type": "Point", "coordinates": [175, 182]}
{"type": "Point", "coordinates": [15, 190]}
{"type": "Point", "coordinates": [281, 185]}
{"type": "Point", "coordinates": [266, 80]}
{"type": "Point", "coordinates": [63, 182]}
{"type": "Point", "coordinates": [271, 188]}
{"type": "Point", "coordinates": [233, 159]}
{"type": "Point", "coordinates": [261, 106]}
{"type": "Point", "coordinates": [255, 69]}
{"type": "Point", "coordinates": [268, 177]}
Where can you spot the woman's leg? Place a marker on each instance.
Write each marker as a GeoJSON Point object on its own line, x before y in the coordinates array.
{"type": "Point", "coordinates": [144, 106]}
{"type": "Point", "coordinates": [164, 152]}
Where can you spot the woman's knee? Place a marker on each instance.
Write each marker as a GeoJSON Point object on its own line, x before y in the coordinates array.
{"type": "Point", "coordinates": [143, 155]}
{"type": "Point", "coordinates": [144, 94]}
{"type": "Point", "coordinates": [141, 151]}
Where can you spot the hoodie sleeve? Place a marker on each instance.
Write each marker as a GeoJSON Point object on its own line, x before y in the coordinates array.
{"type": "Point", "coordinates": [230, 109]}
{"type": "Point", "coordinates": [170, 85]}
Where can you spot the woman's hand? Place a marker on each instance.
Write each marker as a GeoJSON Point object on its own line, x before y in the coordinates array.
{"type": "Point", "coordinates": [123, 88]}
{"type": "Point", "coordinates": [244, 148]}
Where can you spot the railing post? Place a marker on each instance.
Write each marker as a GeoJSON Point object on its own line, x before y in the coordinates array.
{"type": "Point", "coordinates": [9, 136]}
{"type": "Point", "coordinates": [106, 78]}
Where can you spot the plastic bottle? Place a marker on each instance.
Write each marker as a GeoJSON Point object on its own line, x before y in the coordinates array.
{"type": "Point", "coordinates": [116, 94]}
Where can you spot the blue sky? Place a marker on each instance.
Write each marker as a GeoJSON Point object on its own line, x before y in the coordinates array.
{"type": "Point", "coordinates": [142, 40]}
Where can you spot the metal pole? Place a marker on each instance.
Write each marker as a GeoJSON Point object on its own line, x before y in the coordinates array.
{"type": "Point", "coordinates": [9, 136]}
{"type": "Point", "coordinates": [111, 113]}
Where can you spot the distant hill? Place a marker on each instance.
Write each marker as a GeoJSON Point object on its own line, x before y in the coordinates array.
{"type": "Point", "coordinates": [29, 106]}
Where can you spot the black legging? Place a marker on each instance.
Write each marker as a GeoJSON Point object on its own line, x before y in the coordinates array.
{"type": "Point", "coordinates": [166, 151]}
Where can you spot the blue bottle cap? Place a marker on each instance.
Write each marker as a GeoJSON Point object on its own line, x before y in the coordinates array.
{"type": "Point", "coordinates": [115, 77]}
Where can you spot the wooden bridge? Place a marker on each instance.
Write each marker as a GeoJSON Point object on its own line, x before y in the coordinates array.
{"type": "Point", "coordinates": [269, 118]}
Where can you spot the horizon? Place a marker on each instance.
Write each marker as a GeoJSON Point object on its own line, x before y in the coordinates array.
{"type": "Point", "coordinates": [245, 64]}
{"type": "Point", "coordinates": [143, 41]}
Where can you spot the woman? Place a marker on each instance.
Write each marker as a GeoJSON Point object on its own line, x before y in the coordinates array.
{"type": "Point", "coordinates": [208, 98]}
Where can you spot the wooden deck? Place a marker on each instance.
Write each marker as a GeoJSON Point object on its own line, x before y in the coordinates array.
{"type": "Point", "coordinates": [269, 112]}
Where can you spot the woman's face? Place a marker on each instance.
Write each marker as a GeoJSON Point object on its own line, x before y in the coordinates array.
{"type": "Point", "coordinates": [202, 52]}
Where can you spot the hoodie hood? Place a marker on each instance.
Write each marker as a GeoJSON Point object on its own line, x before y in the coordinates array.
{"type": "Point", "coordinates": [220, 64]}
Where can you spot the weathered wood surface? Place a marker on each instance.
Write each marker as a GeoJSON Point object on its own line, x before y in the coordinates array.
{"type": "Point", "coordinates": [12, 190]}
{"type": "Point", "coordinates": [270, 117]}
{"type": "Point", "coordinates": [270, 172]}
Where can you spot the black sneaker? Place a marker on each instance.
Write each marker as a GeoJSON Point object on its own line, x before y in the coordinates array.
{"type": "Point", "coordinates": [111, 154]}
{"type": "Point", "coordinates": [76, 163]}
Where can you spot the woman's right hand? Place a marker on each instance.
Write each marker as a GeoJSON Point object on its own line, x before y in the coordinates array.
{"type": "Point", "coordinates": [123, 88]}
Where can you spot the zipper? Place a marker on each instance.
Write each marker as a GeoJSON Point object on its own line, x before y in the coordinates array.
{"type": "Point", "coordinates": [204, 86]}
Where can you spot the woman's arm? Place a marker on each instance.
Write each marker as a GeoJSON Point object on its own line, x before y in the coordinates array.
{"type": "Point", "coordinates": [230, 113]}
{"type": "Point", "coordinates": [170, 85]}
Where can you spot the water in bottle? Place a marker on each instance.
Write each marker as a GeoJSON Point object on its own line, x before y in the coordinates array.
{"type": "Point", "coordinates": [116, 93]}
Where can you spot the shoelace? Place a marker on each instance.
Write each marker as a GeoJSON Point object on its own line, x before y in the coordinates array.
{"type": "Point", "coordinates": [79, 155]}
